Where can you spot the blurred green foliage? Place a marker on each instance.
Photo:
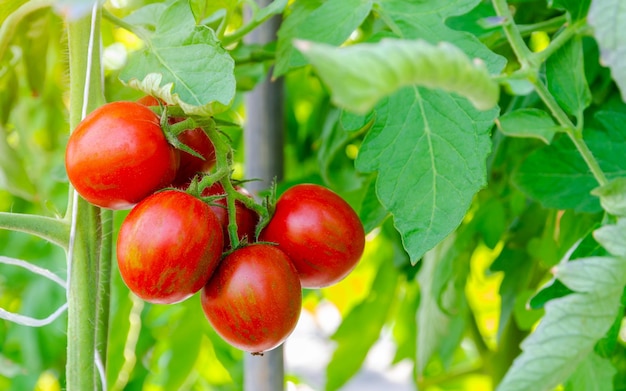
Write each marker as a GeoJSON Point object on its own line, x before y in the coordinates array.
{"type": "Point", "coordinates": [457, 316]}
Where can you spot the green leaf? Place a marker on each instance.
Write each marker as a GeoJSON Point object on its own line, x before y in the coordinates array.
{"type": "Point", "coordinates": [571, 326]}
{"type": "Point", "coordinates": [177, 345]}
{"type": "Point", "coordinates": [425, 138]}
{"type": "Point", "coordinates": [606, 17]}
{"type": "Point", "coordinates": [558, 177]}
{"type": "Point", "coordinates": [607, 346]}
{"type": "Point", "coordinates": [593, 374]}
{"type": "Point", "coordinates": [576, 8]}
{"type": "Point", "coordinates": [372, 213]}
{"type": "Point", "coordinates": [405, 325]}
{"type": "Point", "coordinates": [13, 175]}
{"type": "Point", "coordinates": [534, 123]}
{"type": "Point", "coordinates": [613, 238]}
{"type": "Point", "coordinates": [183, 64]}
{"type": "Point", "coordinates": [427, 20]}
{"type": "Point", "coordinates": [491, 221]}
{"type": "Point", "coordinates": [517, 268]}
{"type": "Point", "coordinates": [35, 35]}
{"type": "Point", "coordinates": [613, 196]}
{"type": "Point", "coordinates": [368, 317]}
{"type": "Point", "coordinates": [9, 85]}
{"type": "Point", "coordinates": [441, 299]}
{"type": "Point", "coordinates": [565, 74]}
{"type": "Point", "coordinates": [327, 21]}
{"type": "Point", "coordinates": [428, 146]}
{"type": "Point", "coordinates": [336, 167]}
{"type": "Point", "coordinates": [377, 70]}
{"type": "Point", "coordinates": [147, 16]}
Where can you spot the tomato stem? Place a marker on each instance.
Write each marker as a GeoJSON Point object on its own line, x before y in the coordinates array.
{"type": "Point", "coordinates": [530, 63]}
{"type": "Point", "coordinates": [90, 241]}
{"type": "Point", "coordinates": [223, 175]}
{"type": "Point", "coordinates": [53, 230]}
{"type": "Point", "coordinates": [123, 24]}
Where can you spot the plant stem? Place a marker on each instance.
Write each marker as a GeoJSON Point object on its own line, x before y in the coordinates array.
{"type": "Point", "coordinates": [512, 32]}
{"type": "Point", "coordinates": [246, 29]}
{"type": "Point", "coordinates": [103, 296]}
{"type": "Point", "coordinates": [223, 161]}
{"type": "Point", "coordinates": [56, 231]}
{"type": "Point", "coordinates": [86, 252]}
{"type": "Point", "coordinates": [568, 33]}
{"type": "Point", "coordinates": [530, 68]}
{"type": "Point", "coordinates": [574, 134]}
{"type": "Point", "coordinates": [495, 38]}
{"type": "Point", "coordinates": [123, 24]}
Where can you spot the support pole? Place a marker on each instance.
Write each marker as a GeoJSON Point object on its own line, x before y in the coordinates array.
{"type": "Point", "coordinates": [263, 144]}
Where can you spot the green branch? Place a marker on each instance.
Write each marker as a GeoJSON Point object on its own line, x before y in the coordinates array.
{"type": "Point", "coordinates": [222, 174]}
{"type": "Point", "coordinates": [123, 24]}
{"type": "Point", "coordinates": [530, 69]}
{"type": "Point", "coordinates": [223, 162]}
{"type": "Point", "coordinates": [568, 33]}
{"type": "Point", "coordinates": [103, 296]}
{"type": "Point", "coordinates": [495, 38]}
{"type": "Point", "coordinates": [574, 134]}
{"type": "Point", "coordinates": [56, 231]}
{"type": "Point", "coordinates": [512, 33]}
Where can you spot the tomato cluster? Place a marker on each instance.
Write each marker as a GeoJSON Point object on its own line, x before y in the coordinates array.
{"type": "Point", "coordinates": [175, 241]}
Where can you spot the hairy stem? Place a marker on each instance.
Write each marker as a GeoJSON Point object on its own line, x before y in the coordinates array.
{"type": "Point", "coordinates": [87, 253]}
{"type": "Point", "coordinates": [103, 296]}
{"type": "Point", "coordinates": [53, 230]}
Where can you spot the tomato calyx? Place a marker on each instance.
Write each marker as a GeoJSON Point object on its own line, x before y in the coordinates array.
{"type": "Point", "coordinates": [172, 131]}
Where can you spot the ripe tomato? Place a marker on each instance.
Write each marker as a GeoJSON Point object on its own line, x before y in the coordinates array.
{"type": "Point", "coordinates": [247, 219]}
{"type": "Point", "coordinates": [254, 298]}
{"type": "Point", "coordinates": [190, 165]}
{"type": "Point", "coordinates": [118, 155]}
{"type": "Point", "coordinates": [195, 139]}
{"type": "Point", "coordinates": [319, 232]}
{"type": "Point", "coordinates": [168, 247]}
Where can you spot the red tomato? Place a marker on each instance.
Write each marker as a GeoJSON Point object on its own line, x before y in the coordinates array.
{"type": "Point", "coordinates": [118, 155]}
{"type": "Point", "coordinates": [190, 165]}
{"type": "Point", "coordinates": [195, 139]}
{"type": "Point", "coordinates": [148, 100]}
{"type": "Point", "coordinates": [247, 219]}
{"type": "Point", "coordinates": [254, 298]}
{"type": "Point", "coordinates": [319, 232]}
{"type": "Point", "coordinates": [168, 247]}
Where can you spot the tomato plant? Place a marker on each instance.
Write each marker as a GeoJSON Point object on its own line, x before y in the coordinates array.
{"type": "Point", "coordinates": [197, 140]}
{"type": "Point", "coordinates": [190, 165]}
{"type": "Point", "coordinates": [320, 233]}
{"type": "Point", "coordinates": [168, 247]}
{"type": "Point", "coordinates": [118, 155]}
{"type": "Point", "coordinates": [247, 219]}
{"type": "Point", "coordinates": [478, 142]}
{"type": "Point", "coordinates": [253, 299]}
